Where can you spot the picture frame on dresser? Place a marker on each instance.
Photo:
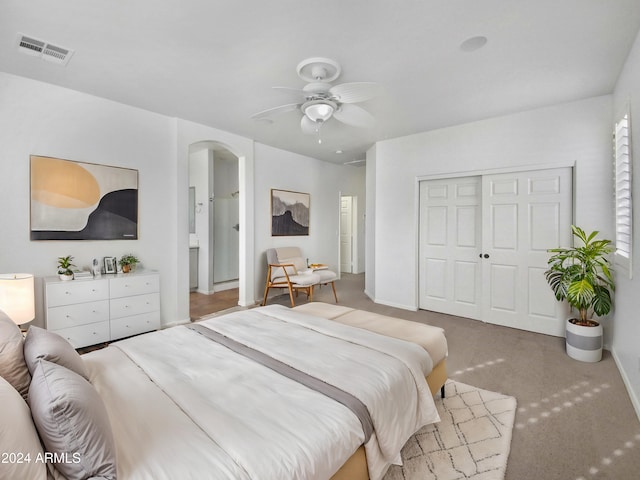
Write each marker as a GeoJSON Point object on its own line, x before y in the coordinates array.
{"type": "Point", "coordinates": [110, 265]}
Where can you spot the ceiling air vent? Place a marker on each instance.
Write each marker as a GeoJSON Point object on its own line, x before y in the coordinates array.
{"type": "Point", "coordinates": [45, 50]}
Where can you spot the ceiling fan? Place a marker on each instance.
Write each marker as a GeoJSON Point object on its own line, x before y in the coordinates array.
{"type": "Point", "coordinates": [322, 101]}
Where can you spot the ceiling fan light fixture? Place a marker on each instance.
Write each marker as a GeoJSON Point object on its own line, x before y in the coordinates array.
{"type": "Point", "coordinates": [319, 111]}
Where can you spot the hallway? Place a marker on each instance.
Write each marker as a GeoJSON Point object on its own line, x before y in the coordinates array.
{"type": "Point", "coordinates": [201, 305]}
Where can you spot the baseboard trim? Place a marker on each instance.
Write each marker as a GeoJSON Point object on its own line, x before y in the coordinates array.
{"type": "Point", "coordinates": [627, 383]}
{"type": "Point", "coordinates": [411, 308]}
{"type": "Point", "coordinates": [175, 323]}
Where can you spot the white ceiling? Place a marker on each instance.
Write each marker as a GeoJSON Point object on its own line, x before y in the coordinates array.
{"type": "Point", "coordinates": [214, 61]}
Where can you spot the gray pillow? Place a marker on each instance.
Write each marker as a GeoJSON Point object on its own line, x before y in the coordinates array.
{"type": "Point", "coordinates": [18, 437]}
{"type": "Point", "coordinates": [12, 365]}
{"type": "Point", "coordinates": [72, 422]}
{"type": "Point", "coordinates": [41, 343]}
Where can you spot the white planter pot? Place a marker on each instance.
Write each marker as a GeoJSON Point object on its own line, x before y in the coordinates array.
{"type": "Point", "coordinates": [65, 278]}
{"type": "Point", "coordinates": [584, 343]}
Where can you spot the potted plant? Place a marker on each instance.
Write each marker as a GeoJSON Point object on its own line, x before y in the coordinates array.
{"type": "Point", "coordinates": [128, 263]}
{"type": "Point", "coordinates": [581, 276]}
{"type": "Point", "coordinates": [64, 268]}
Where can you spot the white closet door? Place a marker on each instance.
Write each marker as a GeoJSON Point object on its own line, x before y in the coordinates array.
{"type": "Point", "coordinates": [449, 246]}
{"type": "Point", "coordinates": [524, 214]}
{"type": "Point", "coordinates": [346, 234]}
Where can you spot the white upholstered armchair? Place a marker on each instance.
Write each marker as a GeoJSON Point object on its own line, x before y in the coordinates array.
{"type": "Point", "coordinates": [288, 269]}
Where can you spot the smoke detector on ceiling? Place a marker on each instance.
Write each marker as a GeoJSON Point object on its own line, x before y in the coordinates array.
{"type": "Point", "coordinates": [45, 50]}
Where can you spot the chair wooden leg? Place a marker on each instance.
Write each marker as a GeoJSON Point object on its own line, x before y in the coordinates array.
{"type": "Point", "coordinates": [311, 293]}
{"type": "Point", "coordinates": [335, 295]}
{"type": "Point", "coordinates": [266, 291]}
{"type": "Point", "coordinates": [293, 303]}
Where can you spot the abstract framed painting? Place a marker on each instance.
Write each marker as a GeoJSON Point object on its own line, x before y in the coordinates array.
{"type": "Point", "coordinates": [82, 201]}
{"type": "Point", "coordinates": [289, 213]}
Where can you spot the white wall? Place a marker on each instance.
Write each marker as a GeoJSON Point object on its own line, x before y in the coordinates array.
{"type": "Point", "coordinates": [370, 224]}
{"type": "Point", "coordinates": [577, 132]}
{"type": "Point", "coordinates": [324, 182]}
{"type": "Point", "coordinates": [626, 322]}
{"type": "Point", "coordinates": [41, 119]}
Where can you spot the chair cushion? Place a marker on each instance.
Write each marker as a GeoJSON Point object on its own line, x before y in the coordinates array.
{"type": "Point", "coordinates": [302, 280]}
{"type": "Point", "coordinates": [282, 255]}
{"type": "Point", "coordinates": [326, 275]}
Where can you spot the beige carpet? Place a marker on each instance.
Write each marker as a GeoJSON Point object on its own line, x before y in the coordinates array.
{"type": "Point", "coordinates": [472, 440]}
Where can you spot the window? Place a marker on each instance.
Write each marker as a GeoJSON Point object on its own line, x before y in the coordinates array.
{"type": "Point", "coordinates": [623, 203]}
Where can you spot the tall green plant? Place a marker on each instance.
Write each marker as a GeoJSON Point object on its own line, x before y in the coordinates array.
{"type": "Point", "coordinates": [582, 276]}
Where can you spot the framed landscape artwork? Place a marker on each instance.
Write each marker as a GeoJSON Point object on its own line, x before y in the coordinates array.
{"type": "Point", "coordinates": [82, 201]}
{"type": "Point", "coordinates": [289, 213]}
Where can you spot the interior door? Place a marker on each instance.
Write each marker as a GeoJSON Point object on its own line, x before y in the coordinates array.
{"type": "Point", "coordinates": [483, 246]}
{"type": "Point", "coordinates": [524, 214]}
{"type": "Point", "coordinates": [449, 245]}
{"type": "Point", "coordinates": [346, 234]}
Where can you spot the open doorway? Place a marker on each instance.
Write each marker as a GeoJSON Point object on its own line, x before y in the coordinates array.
{"type": "Point", "coordinates": [214, 228]}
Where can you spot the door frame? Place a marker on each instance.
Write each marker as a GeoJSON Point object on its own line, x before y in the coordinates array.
{"type": "Point", "coordinates": [470, 173]}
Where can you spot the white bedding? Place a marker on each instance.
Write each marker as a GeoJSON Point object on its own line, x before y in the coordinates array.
{"type": "Point", "coordinates": [183, 406]}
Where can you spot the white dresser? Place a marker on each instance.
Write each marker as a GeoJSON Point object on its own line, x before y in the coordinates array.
{"type": "Point", "coordinates": [91, 311]}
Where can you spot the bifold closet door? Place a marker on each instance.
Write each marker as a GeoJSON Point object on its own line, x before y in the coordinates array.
{"type": "Point", "coordinates": [483, 246]}
{"type": "Point", "coordinates": [450, 239]}
{"type": "Point", "coordinates": [524, 214]}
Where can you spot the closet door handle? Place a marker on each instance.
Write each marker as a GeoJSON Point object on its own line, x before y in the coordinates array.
{"type": "Point", "coordinates": [486, 255]}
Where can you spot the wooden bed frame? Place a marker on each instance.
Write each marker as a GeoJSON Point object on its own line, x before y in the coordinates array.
{"type": "Point", "coordinates": [355, 468]}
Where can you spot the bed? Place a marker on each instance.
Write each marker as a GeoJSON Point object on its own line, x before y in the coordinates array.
{"type": "Point", "coordinates": [218, 399]}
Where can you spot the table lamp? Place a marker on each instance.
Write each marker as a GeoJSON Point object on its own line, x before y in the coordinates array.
{"type": "Point", "coordinates": [16, 297]}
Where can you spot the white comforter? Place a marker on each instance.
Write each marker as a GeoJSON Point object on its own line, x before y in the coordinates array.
{"type": "Point", "coordinates": [183, 406]}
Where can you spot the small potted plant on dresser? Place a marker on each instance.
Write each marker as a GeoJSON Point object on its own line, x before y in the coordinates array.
{"type": "Point", "coordinates": [128, 263]}
{"type": "Point", "coordinates": [64, 268]}
{"type": "Point", "coordinates": [582, 276]}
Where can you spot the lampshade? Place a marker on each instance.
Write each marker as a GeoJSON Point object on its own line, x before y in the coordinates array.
{"type": "Point", "coordinates": [16, 297]}
{"type": "Point", "coordinates": [319, 110]}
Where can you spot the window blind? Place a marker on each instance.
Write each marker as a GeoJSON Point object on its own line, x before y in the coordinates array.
{"type": "Point", "coordinates": [623, 200]}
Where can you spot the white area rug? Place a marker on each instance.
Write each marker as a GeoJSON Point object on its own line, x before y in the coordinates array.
{"type": "Point", "coordinates": [472, 440]}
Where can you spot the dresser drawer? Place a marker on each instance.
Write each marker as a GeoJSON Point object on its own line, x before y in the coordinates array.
{"type": "Point", "coordinates": [67, 316]}
{"type": "Point", "coordinates": [86, 334]}
{"type": "Point", "coordinates": [134, 285]}
{"type": "Point", "coordinates": [76, 291]}
{"type": "Point", "coordinates": [128, 326]}
{"type": "Point", "coordinates": [124, 307]}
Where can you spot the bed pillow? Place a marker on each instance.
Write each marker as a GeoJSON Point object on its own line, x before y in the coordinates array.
{"type": "Point", "coordinates": [18, 438]}
{"type": "Point", "coordinates": [72, 422]}
{"type": "Point", "coordinates": [41, 343]}
{"type": "Point", "coordinates": [12, 364]}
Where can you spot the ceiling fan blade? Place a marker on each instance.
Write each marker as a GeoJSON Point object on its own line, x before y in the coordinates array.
{"type": "Point", "coordinates": [355, 92]}
{"type": "Point", "coordinates": [275, 111]}
{"type": "Point", "coordinates": [355, 116]}
{"type": "Point", "coordinates": [308, 126]}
